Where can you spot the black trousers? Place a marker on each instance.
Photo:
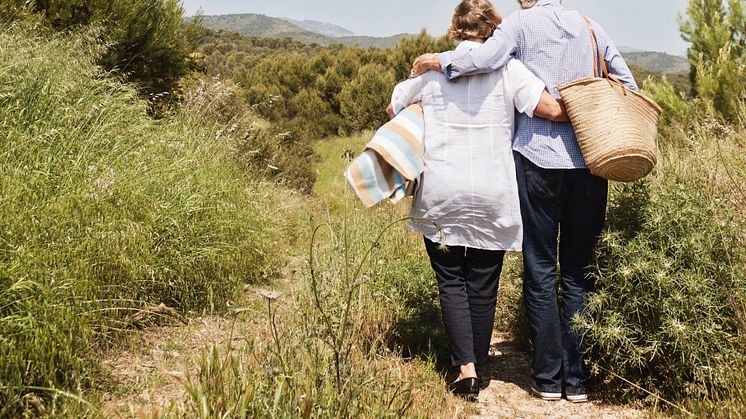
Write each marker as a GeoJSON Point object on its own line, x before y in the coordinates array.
{"type": "Point", "coordinates": [468, 280]}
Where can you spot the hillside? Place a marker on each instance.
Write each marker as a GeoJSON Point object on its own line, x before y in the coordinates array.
{"type": "Point", "coordinates": [227, 53]}
{"type": "Point", "coordinates": [327, 34]}
{"type": "Point", "coordinates": [314, 32]}
{"type": "Point", "coordinates": [323, 28]}
{"type": "Point", "coordinates": [658, 62]}
{"type": "Point", "coordinates": [680, 81]}
{"type": "Point", "coordinates": [261, 25]}
{"type": "Point", "coordinates": [372, 41]}
{"type": "Point", "coordinates": [624, 49]}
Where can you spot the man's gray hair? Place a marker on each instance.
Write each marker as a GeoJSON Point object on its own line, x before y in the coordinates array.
{"type": "Point", "coordinates": [527, 4]}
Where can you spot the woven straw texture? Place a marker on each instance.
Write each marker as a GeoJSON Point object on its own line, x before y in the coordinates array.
{"type": "Point", "coordinates": [616, 127]}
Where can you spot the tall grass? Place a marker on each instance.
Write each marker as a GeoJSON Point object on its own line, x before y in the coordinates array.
{"type": "Point", "coordinates": [105, 212]}
{"type": "Point", "coordinates": [669, 313]}
{"type": "Point", "coordinates": [336, 348]}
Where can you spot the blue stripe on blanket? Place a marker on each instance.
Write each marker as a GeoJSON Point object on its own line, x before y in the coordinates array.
{"type": "Point", "coordinates": [368, 173]}
{"type": "Point", "coordinates": [414, 117]}
{"type": "Point", "coordinates": [401, 144]}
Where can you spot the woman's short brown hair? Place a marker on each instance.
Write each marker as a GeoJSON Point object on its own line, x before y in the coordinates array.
{"type": "Point", "coordinates": [474, 19]}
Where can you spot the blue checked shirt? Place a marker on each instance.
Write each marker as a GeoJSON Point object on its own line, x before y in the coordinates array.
{"type": "Point", "coordinates": [556, 45]}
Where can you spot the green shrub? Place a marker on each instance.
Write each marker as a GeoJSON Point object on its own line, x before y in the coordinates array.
{"type": "Point", "coordinates": [315, 92]}
{"type": "Point", "coordinates": [364, 99]}
{"type": "Point", "coordinates": [716, 30]}
{"type": "Point", "coordinates": [668, 314]}
{"type": "Point", "coordinates": [105, 212]}
{"type": "Point", "coordinates": [276, 152]}
{"type": "Point", "coordinates": [400, 59]}
{"type": "Point", "coordinates": [146, 40]}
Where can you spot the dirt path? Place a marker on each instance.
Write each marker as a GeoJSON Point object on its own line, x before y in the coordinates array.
{"type": "Point", "coordinates": [142, 386]}
{"type": "Point", "coordinates": [508, 394]}
{"type": "Point", "coordinates": [143, 374]}
{"type": "Point", "coordinates": [146, 389]}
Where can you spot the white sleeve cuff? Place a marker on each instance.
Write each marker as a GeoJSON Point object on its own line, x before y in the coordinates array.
{"type": "Point", "coordinates": [537, 89]}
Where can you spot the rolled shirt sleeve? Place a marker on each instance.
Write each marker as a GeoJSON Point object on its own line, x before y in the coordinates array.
{"type": "Point", "coordinates": [524, 87]}
{"type": "Point", "coordinates": [492, 55]}
{"type": "Point", "coordinates": [407, 93]}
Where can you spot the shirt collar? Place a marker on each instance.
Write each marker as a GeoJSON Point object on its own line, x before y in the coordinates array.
{"type": "Point", "coordinates": [549, 3]}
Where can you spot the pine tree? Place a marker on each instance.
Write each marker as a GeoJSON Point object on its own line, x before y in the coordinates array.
{"type": "Point", "coordinates": [717, 32]}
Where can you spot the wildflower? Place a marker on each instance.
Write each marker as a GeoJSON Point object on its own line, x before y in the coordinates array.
{"type": "Point", "coordinates": [270, 295]}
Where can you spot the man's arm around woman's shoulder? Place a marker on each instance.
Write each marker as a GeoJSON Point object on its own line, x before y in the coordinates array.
{"type": "Point", "coordinates": [490, 56]}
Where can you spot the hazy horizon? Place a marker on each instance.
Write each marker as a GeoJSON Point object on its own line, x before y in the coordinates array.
{"type": "Point", "coordinates": [639, 24]}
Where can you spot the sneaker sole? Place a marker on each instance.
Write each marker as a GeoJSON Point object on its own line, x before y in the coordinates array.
{"type": "Point", "coordinates": [583, 398]}
{"type": "Point", "coordinates": [546, 396]}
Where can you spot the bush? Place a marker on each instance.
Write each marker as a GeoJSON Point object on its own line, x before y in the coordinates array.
{"type": "Point", "coordinates": [716, 30]}
{"type": "Point", "coordinates": [315, 92]}
{"type": "Point", "coordinates": [362, 101]}
{"type": "Point", "coordinates": [146, 39]}
{"type": "Point", "coordinates": [400, 59]}
{"type": "Point", "coordinates": [105, 212]}
{"type": "Point", "coordinates": [669, 312]}
{"type": "Point", "coordinates": [276, 152]}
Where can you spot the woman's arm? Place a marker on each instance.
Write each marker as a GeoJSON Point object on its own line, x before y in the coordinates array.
{"type": "Point", "coordinates": [530, 96]}
{"type": "Point", "coordinates": [406, 93]}
{"type": "Point", "coordinates": [551, 108]}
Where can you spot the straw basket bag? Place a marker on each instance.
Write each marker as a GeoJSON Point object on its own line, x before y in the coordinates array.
{"type": "Point", "coordinates": [616, 127]}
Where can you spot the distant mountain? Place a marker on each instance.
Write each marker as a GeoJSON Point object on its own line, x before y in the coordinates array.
{"type": "Point", "coordinates": [263, 26]}
{"type": "Point", "coordinates": [266, 26]}
{"type": "Point", "coordinates": [321, 33]}
{"type": "Point", "coordinates": [322, 28]}
{"type": "Point", "coordinates": [658, 62]}
{"type": "Point", "coordinates": [680, 81]}
{"type": "Point", "coordinates": [625, 49]}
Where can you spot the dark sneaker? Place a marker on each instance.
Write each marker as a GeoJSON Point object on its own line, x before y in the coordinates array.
{"type": "Point", "coordinates": [549, 396]}
{"type": "Point", "coordinates": [577, 398]}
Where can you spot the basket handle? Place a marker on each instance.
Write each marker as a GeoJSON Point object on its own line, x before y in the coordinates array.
{"type": "Point", "coordinates": [601, 59]}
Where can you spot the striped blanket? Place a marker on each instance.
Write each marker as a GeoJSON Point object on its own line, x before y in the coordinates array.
{"type": "Point", "coordinates": [392, 161]}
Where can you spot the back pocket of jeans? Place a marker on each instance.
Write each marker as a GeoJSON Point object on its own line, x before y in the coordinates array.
{"type": "Point", "coordinates": [543, 184]}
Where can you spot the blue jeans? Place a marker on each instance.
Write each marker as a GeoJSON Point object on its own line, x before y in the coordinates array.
{"type": "Point", "coordinates": [562, 209]}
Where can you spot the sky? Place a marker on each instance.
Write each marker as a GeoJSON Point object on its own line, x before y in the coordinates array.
{"type": "Point", "coordinates": [643, 24]}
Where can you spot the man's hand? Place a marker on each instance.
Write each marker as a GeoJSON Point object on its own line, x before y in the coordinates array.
{"type": "Point", "coordinates": [425, 63]}
{"type": "Point", "coordinates": [390, 111]}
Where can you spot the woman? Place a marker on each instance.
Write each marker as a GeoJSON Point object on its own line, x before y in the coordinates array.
{"type": "Point", "coordinates": [469, 189]}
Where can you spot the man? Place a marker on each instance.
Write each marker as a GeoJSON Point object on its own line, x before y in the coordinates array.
{"type": "Point", "coordinates": [561, 202]}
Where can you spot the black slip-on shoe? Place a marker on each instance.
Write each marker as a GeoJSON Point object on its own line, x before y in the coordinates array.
{"type": "Point", "coordinates": [484, 383]}
{"type": "Point", "coordinates": [484, 378]}
{"type": "Point", "coordinates": [468, 388]}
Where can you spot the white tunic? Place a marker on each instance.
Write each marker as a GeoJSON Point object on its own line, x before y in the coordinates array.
{"type": "Point", "coordinates": [469, 185]}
